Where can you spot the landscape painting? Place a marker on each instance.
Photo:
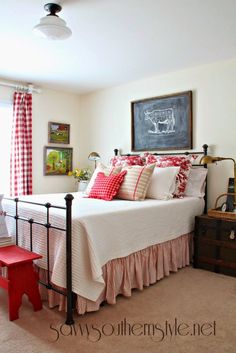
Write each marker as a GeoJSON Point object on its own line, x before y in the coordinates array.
{"type": "Point", "coordinates": [58, 133]}
{"type": "Point", "coordinates": [57, 160]}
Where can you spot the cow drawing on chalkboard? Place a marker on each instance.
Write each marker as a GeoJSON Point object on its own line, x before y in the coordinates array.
{"type": "Point", "coordinates": [163, 121]}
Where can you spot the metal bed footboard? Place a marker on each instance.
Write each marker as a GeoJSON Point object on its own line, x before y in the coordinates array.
{"type": "Point", "coordinates": [68, 230]}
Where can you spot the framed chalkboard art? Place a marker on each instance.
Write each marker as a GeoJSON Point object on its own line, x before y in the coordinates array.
{"type": "Point", "coordinates": [162, 123]}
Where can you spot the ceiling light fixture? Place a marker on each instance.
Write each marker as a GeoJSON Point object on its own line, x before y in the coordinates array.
{"type": "Point", "coordinates": [52, 26]}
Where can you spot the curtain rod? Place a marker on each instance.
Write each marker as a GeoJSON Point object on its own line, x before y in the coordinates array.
{"type": "Point", "coordinates": [28, 88]}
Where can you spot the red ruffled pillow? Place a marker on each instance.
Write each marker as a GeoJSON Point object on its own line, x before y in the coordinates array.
{"type": "Point", "coordinates": [106, 187]}
{"type": "Point", "coordinates": [125, 161]}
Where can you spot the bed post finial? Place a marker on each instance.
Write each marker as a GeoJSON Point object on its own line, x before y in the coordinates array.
{"type": "Point", "coordinates": [205, 148]}
{"type": "Point", "coordinates": [116, 151]}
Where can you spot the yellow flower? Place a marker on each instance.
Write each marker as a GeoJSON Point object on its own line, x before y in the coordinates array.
{"type": "Point", "coordinates": [81, 174]}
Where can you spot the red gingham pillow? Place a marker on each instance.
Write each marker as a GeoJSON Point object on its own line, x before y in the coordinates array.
{"type": "Point", "coordinates": [107, 170]}
{"type": "Point", "coordinates": [177, 161]}
{"type": "Point", "coordinates": [106, 187]}
{"type": "Point", "coordinates": [126, 161]}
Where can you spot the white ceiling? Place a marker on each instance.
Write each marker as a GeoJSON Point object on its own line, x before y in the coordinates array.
{"type": "Point", "coordinates": [114, 41]}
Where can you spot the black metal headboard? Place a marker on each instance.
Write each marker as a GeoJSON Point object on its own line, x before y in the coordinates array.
{"type": "Point", "coordinates": [203, 152]}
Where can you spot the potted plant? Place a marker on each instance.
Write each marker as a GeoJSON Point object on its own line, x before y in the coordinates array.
{"type": "Point", "coordinates": [82, 176]}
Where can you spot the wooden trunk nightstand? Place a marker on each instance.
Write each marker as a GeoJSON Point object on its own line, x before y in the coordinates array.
{"type": "Point", "coordinates": [215, 245]}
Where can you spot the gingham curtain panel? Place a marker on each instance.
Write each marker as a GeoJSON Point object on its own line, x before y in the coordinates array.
{"type": "Point", "coordinates": [21, 145]}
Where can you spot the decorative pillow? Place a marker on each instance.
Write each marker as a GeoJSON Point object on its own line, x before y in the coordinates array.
{"type": "Point", "coordinates": [136, 182]}
{"type": "Point", "coordinates": [152, 158]}
{"type": "Point", "coordinates": [127, 160]}
{"type": "Point", "coordinates": [162, 184]}
{"type": "Point", "coordinates": [178, 161]}
{"type": "Point", "coordinates": [196, 182]}
{"type": "Point", "coordinates": [107, 170]}
{"type": "Point", "coordinates": [106, 187]}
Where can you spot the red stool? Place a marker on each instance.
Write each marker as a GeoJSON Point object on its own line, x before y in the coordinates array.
{"type": "Point", "coordinates": [21, 278]}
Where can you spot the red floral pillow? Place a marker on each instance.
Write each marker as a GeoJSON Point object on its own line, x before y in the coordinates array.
{"type": "Point", "coordinates": [177, 161]}
{"type": "Point", "coordinates": [125, 161]}
{"type": "Point", "coordinates": [106, 187]}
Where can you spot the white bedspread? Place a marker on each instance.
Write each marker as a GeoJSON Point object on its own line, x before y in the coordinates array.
{"type": "Point", "coordinates": [102, 231]}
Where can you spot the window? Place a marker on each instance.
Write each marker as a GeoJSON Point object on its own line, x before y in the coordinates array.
{"type": "Point", "coordinates": [6, 115]}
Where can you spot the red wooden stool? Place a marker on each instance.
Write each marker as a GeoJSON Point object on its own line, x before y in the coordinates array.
{"type": "Point", "coordinates": [21, 278]}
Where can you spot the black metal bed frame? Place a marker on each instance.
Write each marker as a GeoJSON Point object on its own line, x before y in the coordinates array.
{"type": "Point", "coordinates": [186, 153]}
{"type": "Point", "coordinates": [68, 200]}
{"type": "Point", "coordinates": [68, 231]}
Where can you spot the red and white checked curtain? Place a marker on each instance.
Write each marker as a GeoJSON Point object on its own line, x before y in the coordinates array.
{"type": "Point", "coordinates": [21, 145]}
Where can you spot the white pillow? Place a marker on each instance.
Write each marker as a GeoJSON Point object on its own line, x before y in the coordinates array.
{"type": "Point", "coordinates": [196, 182]}
{"type": "Point", "coordinates": [107, 170]}
{"type": "Point", "coordinates": [162, 184]}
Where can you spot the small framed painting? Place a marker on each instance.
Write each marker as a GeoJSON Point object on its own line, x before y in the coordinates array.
{"type": "Point", "coordinates": [58, 133]}
{"type": "Point", "coordinates": [57, 160]}
{"type": "Point", "coordinates": [162, 123]}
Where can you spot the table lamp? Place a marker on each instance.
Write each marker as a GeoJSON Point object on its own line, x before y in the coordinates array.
{"type": "Point", "coordinates": [94, 156]}
{"type": "Point", "coordinates": [210, 159]}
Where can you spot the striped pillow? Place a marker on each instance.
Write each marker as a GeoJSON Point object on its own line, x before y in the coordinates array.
{"type": "Point", "coordinates": [107, 170]}
{"type": "Point", "coordinates": [136, 182]}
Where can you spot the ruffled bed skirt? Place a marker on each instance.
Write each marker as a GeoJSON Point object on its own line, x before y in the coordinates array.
{"type": "Point", "coordinates": [137, 270]}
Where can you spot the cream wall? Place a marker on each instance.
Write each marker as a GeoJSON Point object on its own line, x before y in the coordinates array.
{"type": "Point", "coordinates": [105, 116]}
{"type": "Point", "coordinates": [56, 106]}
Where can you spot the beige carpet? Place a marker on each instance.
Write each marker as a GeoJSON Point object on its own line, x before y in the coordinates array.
{"type": "Point", "coordinates": [198, 307]}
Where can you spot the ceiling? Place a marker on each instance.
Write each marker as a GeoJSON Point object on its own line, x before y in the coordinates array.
{"type": "Point", "coordinates": [114, 41]}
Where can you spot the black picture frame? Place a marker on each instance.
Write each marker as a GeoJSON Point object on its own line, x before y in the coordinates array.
{"type": "Point", "coordinates": [162, 123]}
{"type": "Point", "coordinates": [57, 160]}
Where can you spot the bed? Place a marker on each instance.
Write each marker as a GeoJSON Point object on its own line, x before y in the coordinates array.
{"type": "Point", "coordinates": [97, 249]}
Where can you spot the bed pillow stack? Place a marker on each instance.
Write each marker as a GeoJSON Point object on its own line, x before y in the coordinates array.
{"type": "Point", "coordinates": [184, 164]}
{"type": "Point", "coordinates": [151, 176]}
{"type": "Point", "coordinates": [129, 182]}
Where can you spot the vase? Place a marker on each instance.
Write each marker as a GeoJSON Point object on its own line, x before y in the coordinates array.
{"type": "Point", "coordinates": [82, 185]}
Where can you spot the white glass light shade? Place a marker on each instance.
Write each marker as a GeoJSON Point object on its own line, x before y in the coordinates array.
{"type": "Point", "coordinates": [52, 27]}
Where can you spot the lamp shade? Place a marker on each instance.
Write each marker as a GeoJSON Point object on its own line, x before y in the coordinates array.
{"type": "Point", "coordinates": [94, 156]}
{"type": "Point", "coordinates": [208, 160]}
{"type": "Point", "coordinates": [52, 26]}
